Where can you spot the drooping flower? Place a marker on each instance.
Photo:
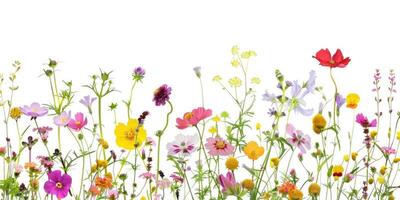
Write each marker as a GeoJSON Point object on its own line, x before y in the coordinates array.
{"type": "Point", "coordinates": [340, 100]}
{"type": "Point", "coordinates": [62, 119]}
{"type": "Point", "coordinates": [337, 60]}
{"type": "Point", "coordinates": [78, 123]}
{"type": "Point", "coordinates": [253, 151]}
{"type": "Point", "coordinates": [183, 145]}
{"type": "Point", "coordinates": [58, 184]}
{"type": "Point", "coordinates": [161, 95]}
{"type": "Point", "coordinates": [217, 146]}
{"type": "Point", "coordinates": [193, 118]}
{"type": "Point", "coordinates": [228, 182]}
{"type": "Point", "coordinates": [176, 178]}
{"type": "Point", "coordinates": [131, 135]}
{"type": "Point", "coordinates": [364, 122]}
{"type": "Point", "coordinates": [298, 138]}
{"type": "Point", "coordinates": [34, 110]}
{"type": "Point", "coordinates": [197, 71]}
{"type": "Point", "coordinates": [352, 100]}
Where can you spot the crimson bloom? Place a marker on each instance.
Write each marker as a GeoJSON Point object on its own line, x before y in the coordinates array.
{"type": "Point", "coordinates": [193, 118]}
{"type": "Point", "coordinates": [337, 60]}
{"type": "Point", "coordinates": [58, 184]}
{"type": "Point", "coordinates": [78, 123]}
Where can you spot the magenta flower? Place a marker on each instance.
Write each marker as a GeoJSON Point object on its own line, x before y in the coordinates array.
{"type": "Point", "coordinates": [78, 123]}
{"type": "Point", "coordinates": [388, 150]}
{"type": "Point", "coordinates": [193, 118]}
{"type": "Point", "coordinates": [34, 111]}
{"type": "Point", "coordinates": [227, 182]}
{"type": "Point", "coordinates": [147, 175]}
{"type": "Point", "coordinates": [161, 95]}
{"type": "Point", "coordinates": [58, 184]}
{"type": "Point", "coordinates": [217, 146]}
{"type": "Point", "coordinates": [62, 119]}
{"type": "Point", "coordinates": [176, 178]}
{"type": "Point", "coordinates": [298, 138]}
{"type": "Point", "coordinates": [364, 122]}
{"type": "Point", "coordinates": [182, 145]}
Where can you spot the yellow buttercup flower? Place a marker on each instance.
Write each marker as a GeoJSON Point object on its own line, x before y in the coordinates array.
{"type": "Point", "coordinates": [103, 143]}
{"type": "Point", "coordinates": [274, 162]}
{"type": "Point", "coordinates": [235, 50]}
{"type": "Point", "coordinates": [143, 198]}
{"type": "Point", "coordinates": [248, 54]}
{"type": "Point", "coordinates": [101, 163]}
{"type": "Point", "coordinates": [265, 196]}
{"type": "Point", "coordinates": [352, 100]}
{"type": "Point", "coordinates": [373, 134]}
{"type": "Point", "coordinates": [231, 163]}
{"type": "Point", "coordinates": [216, 118]}
{"type": "Point", "coordinates": [235, 82]}
{"type": "Point", "coordinates": [253, 151]}
{"type": "Point", "coordinates": [319, 123]}
{"type": "Point", "coordinates": [131, 135]}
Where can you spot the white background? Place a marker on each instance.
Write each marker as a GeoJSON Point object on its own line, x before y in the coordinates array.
{"type": "Point", "coordinates": [169, 38]}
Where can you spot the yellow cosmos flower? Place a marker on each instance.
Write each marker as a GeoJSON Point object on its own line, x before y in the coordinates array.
{"type": "Point", "coordinates": [253, 151]}
{"type": "Point", "coordinates": [352, 100]}
{"type": "Point", "coordinates": [131, 135]}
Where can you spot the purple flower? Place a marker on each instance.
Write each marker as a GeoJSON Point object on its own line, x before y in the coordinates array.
{"type": "Point", "coordinates": [43, 132]}
{"type": "Point", "coordinates": [227, 182]}
{"type": "Point", "coordinates": [298, 139]}
{"type": "Point", "coordinates": [161, 95]}
{"type": "Point", "coordinates": [88, 101]}
{"type": "Point", "coordinates": [297, 103]}
{"type": "Point", "coordinates": [58, 184]}
{"type": "Point", "coordinates": [182, 145]}
{"type": "Point", "coordinates": [388, 150]}
{"type": "Point", "coordinates": [138, 73]}
{"type": "Point", "coordinates": [176, 178]}
{"type": "Point", "coordinates": [364, 122]}
{"type": "Point", "coordinates": [34, 111]}
{"type": "Point", "coordinates": [62, 119]}
{"type": "Point", "coordinates": [340, 100]}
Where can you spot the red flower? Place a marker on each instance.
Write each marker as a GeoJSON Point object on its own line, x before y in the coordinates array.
{"type": "Point", "coordinates": [325, 59]}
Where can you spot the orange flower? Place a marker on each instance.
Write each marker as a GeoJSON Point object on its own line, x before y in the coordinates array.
{"type": "Point", "coordinates": [253, 151]}
{"type": "Point", "coordinates": [94, 191]}
{"type": "Point", "coordinates": [286, 187]}
{"type": "Point", "coordinates": [103, 183]}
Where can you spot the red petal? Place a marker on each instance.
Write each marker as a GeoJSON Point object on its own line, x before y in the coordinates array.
{"type": "Point", "coordinates": [338, 56]}
{"type": "Point", "coordinates": [323, 56]}
{"type": "Point", "coordinates": [344, 62]}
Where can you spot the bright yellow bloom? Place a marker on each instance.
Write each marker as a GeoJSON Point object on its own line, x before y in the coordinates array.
{"type": "Point", "coordinates": [352, 100]}
{"type": "Point", "coordinates": [295, 194]}
{"type": "Point", "coordinates": [346, 158]}
{"type": "Point", "coordinates": [216, 118]}
{"type": "Point", "coordinates": [231, 163]}
{"type": "Point", "coordinates": [373, 134]}
{"type": "Point", "coordinates": [248, 184]}
{"type": "Point", "coordinates": [314, 189]}
{"type": "Point", "coordinates": [253, 151]}
{"type": "Point", "coordinates": [212, 129]}
{"type": "Point", "coordinates": [15, 113]}
{"type": "Point", "coordinates": [337, 172]}
{"type": "Point", "coordinates": [101, 163]}
{"type": "Point", "coordinates": [258, 126]}
{"type": "Point", "coordinates": [381, 179]}
{"type": "Point", "coordinates": [130, 136]}
{"type": "Point", "coordinates": [319, 123]}
{"type": "Point", "coordinates": [235, 82]}
{"type": "Point", "coordinates": [274, 162]}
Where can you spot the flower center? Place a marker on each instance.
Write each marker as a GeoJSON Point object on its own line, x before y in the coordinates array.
{"type": "Point", "coordinates": [59, 185]}
{"type": "Point", "coordinates": [331, 62]}
{"type": "Point", "coordinates": [220, 144]}
{"type": "Point", "coordinates": [130, 134]}
{"type": "Point", "coordinates": [78, 123]}
{"type": "Point", "coordinates": [187, 116]}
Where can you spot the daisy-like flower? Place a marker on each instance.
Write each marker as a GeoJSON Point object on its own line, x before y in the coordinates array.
{"type": "Point", "coordinates": [217, 146]}
{"type": "Point", "coordinates": [388, 150]}
{"type": "Point", "coordinates": [298, 138]}
{"type": "Point", "coordinates": [147, 175]}
{"type": "Point", "coordinates": [364, 122]}
{"type": "Point", "coordinates": [62, 119]}
{"type": "Point", "coordinates": [161, 95]}
{"type": "Point", "coordinates": [78, 123]}
{"type": "Point", "coordinates": [34, 110]}
{"type": "Point", "coordinates": [183, 145]}
{"type": "Point", "coordinates": [131, 135]}
{"type": "Point", "coordinates": [193, 118]}
{"type": "Point", "coordinates": [58, 184]}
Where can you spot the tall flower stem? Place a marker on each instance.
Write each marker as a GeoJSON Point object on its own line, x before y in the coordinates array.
{"type": "Point", "coordinates": [334, 106]}
{"type": "Point", "coordinates": [159, 134]}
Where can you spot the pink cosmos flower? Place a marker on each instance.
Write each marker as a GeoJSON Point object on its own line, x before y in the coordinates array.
{"type": "Point", "coordinates": [78, 123]}
{"type": "Point", "coordinates": [62, 119]}
{"type": "Point", "coordinates": [147, 175]}
{"type": "Point", "coordinates": [182, 145]}
{"type": "Point", "coordinates": [58, 184]}
{"type": "Point", "coordinates": [298, 139]}
{"type": "Point", "coordinates": [193, 118]}
{"type": "Point", "coordinates": [217, 146]}
{"type": "Point", "coordinates": [34, 110]}
{"type": "Point", "coordinates": [227, 182]}
{"type": "Point", "coordinates": [364, 122]}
